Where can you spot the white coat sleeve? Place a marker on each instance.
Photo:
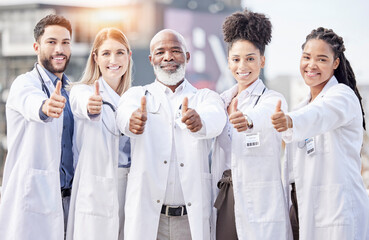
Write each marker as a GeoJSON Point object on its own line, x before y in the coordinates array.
{"type": "Point", "coordinates": [78, 98]}
{"type": "Point", "coordinates": [338, 107]}
{"type": "Point", "coordinates": [262, 112]}
{"type": "Point", "coordinates": [128, 103]}
{"type": "Point", "coordinates": [212, 114]}
{"type": "Point", "coordinates": [26, 97]}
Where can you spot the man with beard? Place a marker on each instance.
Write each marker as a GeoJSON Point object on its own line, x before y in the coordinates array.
{"type": "Point", "coordinates": [38, 171]}
{"type": "Point", "coordinates": [171, 125]}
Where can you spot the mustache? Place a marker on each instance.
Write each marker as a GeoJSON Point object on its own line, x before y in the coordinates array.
{"type": "Point", "coordinates": [60, 55]}
{"type": "Point", "coordinates": [168, 64]}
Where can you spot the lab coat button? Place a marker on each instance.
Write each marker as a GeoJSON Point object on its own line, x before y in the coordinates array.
{"type": "Point", "coordinates": [181, 164]}
{"type": "Point", "coordinates": [165, 162]}
{"type": "Point", "coordinates": [189, 204]}
{"type": "Point", "coordinates": [158, 201]}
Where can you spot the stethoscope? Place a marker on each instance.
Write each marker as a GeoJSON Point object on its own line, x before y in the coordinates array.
{"type": "Point", "coordinates": [44, 88]}
{"type": "Point", "coordinates": [113, 132]}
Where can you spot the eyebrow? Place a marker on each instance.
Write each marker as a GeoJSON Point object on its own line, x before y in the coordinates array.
{"type": "Point", "coordinates": [55, 39]}
{"type": "Point", "coordinates": [250, 54]}
{"type": "Point", "coordinates": [321, 55]}
{"type": "Point", "coordinates": [171, 48]}
{"type": "Point", "coordinates": [109, 50]}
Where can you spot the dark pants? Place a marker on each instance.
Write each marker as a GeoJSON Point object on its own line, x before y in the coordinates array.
{"type": "Point", "coordinates": [65, 203]}
{"type": "Point", "coordinates": [294, 214]}
{"type": "Point", "coordinates": [226, 224]}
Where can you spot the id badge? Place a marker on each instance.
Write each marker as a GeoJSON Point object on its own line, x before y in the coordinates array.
{"type": "Point", "coordinates": [252, 140]}
{"type": "Point", "coordinates": [310, 146]}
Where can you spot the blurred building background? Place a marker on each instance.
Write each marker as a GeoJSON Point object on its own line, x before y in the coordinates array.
{"type": "Point", "coordinates": [200, 21]}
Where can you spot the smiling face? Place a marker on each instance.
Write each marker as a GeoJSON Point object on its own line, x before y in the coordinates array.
{"type": "Point", "coordinates": [53, 49]}
{"type": "Point", "coordinates": [245, 63]}
{"type": "Point", "coordinates": [317, 64]}
{"type": "Point", "coordinates": [112, 57]}
{"type": "Point", "coordinates": [168, 57]}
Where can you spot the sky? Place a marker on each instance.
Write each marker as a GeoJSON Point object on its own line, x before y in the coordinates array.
{"type": "Point", "coordinates": [292, 20]}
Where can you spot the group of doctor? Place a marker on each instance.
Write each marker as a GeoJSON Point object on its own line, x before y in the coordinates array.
{"type": "Point", "coordinates": [69, 174]}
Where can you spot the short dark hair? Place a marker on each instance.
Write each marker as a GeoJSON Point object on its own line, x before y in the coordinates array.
{"type": "Point", "coordinates": [48, 21]}
{"type": "Point", "coordinates": [247, 25]}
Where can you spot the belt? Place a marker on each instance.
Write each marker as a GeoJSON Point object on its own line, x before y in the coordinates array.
{"type": "Point", "coordinates": [65, 192]}
{"type": "Point", "coordinates": [173, 211]}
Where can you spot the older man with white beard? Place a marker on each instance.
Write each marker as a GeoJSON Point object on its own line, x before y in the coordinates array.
{"type": "Point", "coordinates": [171, 125]}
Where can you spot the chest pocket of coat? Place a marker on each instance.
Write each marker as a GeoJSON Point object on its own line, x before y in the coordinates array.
{"type": "Point", "coordinates": [42, 194]}
{"type": "Point", "coordinates": [96, 196]}
{"type": "Point", "coordinates": [152, 105]}
{"type": "Point", "coordinates": [266, 147]}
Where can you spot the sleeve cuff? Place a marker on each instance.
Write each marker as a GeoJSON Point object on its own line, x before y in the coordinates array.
{"type": "Point", "coordinates": [42, 115]}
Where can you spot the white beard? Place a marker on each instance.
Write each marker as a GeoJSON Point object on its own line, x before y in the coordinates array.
{"type": "Point", "coordinates": [170, 79]}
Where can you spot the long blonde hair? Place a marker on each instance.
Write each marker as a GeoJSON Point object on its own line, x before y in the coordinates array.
{"type": "Point", "coordinates": [92, 71]}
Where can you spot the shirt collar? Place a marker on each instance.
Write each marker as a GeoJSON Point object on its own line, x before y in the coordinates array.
{"type": "Point", "coordinates": [54, 78]}
{"type": "Point", "coordinates": [112, 94]}
{"type": "Point", "coordinates": [254, 88]}
{"type": "Point", "coordinates": [167, 90]}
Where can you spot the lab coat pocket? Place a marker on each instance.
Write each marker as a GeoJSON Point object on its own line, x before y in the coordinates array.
{"type": "Point", "coordinates": [96, 196]}
{"type": "Point", "coordinates": [330, 205]}
{"type": "Point", "coordinates": [264, 201]}
{"type": "Point", "coordinates": [206, 194]}
{"type": "Point", "coordinates": [42, 192]}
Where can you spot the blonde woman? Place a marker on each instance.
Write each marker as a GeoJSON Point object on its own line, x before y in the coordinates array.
{"type": "Point", "coordinates": [98, 196]}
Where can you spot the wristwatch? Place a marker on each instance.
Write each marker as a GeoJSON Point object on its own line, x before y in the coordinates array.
{"type": "Point", "coordinates": [250, 124]}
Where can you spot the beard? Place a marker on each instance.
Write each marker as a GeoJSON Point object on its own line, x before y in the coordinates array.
{"type": "Point", "coordinates": [170, 78]}
{"type": "Point", "coordinates": [46, 62]}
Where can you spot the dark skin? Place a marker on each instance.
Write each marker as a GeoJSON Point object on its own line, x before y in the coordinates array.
{"type": "Point", "coordinates": [167, 51]}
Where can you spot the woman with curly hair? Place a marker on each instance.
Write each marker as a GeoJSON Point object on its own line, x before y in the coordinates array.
{"type": "Point", "coordinates": [248, 145]}
{"type": "Point", "coordinates": [324, 137]}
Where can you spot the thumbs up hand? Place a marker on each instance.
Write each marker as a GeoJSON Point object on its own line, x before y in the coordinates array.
{"type": "Point", "coordinates": [236, 117]}
{"type": "Point", "coordinates": [280, 121]}
{"type": "Point", "coordinates": [94, 103]}
{"type": "Point", "coordinates": [190, 117]}
{"type": "Point", "coordinates": [54, 106]}
{"type": "Point", "coordinates": [138, 118]}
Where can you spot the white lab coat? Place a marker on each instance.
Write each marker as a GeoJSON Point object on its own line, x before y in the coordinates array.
{"type": "Point", "coordinates": [261, 209]}
{"type": "Point", "coordinates": [97, 181]}
{"type": "Point", "coordinates": [151, 152]}
{"type": "Point", "coordinates": [332, 201]}
{"type": "Point", "coordinates": [31, 206]}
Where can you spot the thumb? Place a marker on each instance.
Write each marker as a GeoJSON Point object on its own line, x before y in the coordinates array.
{"type": "Point", "coordinates": [97, 88]}
{"type": "Point", "coordinates": [58, 87]}
{"type": "Point", "coordinates": [184, 105]}
{"type": "Point", "coordinates": [143, 104]}
{"type": "Point", "coordinates": [278, 107]}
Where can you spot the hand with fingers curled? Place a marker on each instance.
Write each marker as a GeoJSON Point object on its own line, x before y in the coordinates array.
{"type": "Point", "coordinates": [190, 117]}
{"type": "Point", "coordinates": [138, 118]}
{"type": "Point", "coordinates": [237, 118]}
{"type": "Point", "coordinates": [94, 104]}
{"type": "Point", "coordinates": [54, 106]}
{"type": "Point", "coordinates": [281, 121]}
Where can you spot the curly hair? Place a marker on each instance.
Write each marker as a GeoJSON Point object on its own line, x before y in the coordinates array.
{"type": "Point", "coordinates": [247, 25]}
{"type": "Point", "coordinates": [344, 72]}
{"type": "Point", "coordinates": [49, 20]}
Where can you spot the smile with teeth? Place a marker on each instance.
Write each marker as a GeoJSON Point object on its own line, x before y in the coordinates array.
{"type": "Point", "coordinates": [311, 74]}
{"type": "Point", "coordinates": [243, 74]}
{"type": "Point", "coordinates": [113, 67]}
{"type": "Point", "coordinates": [59, 58]}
